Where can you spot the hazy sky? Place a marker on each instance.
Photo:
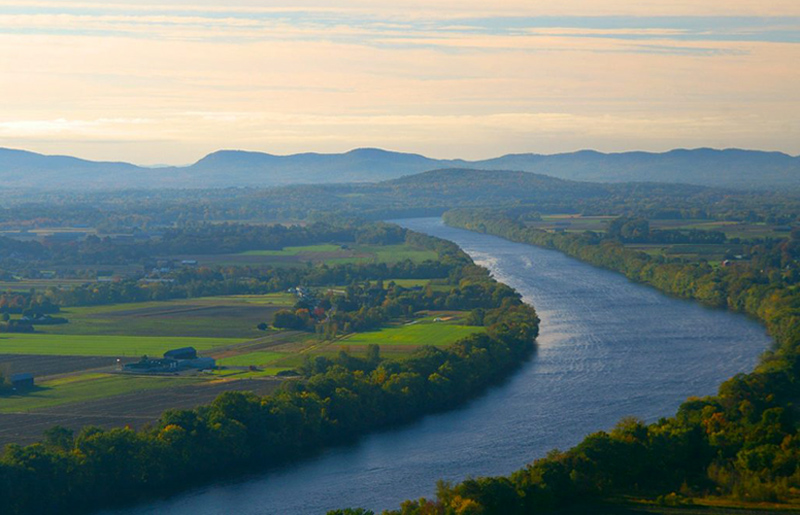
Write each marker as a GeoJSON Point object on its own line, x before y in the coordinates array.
{"type": "Point", "coordinates": [168, 81]}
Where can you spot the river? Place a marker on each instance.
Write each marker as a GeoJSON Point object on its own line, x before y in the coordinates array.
{"type": "Point", "coordinates": [608, 348]}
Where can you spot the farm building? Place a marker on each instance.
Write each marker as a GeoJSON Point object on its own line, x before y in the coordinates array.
{"type": "Point", "coordinates": [20, 381]}
{"type": "Point", "coordinates": [173, 361]}
{"type": "Point", "coordinates": [182, 353]}
{"type": "Point", "coordinates": [200, 363]}
{"type": "Point", "coordinates": [153, 365]}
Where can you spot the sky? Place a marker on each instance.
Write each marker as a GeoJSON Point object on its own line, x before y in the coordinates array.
{"type": "Point", "coordinates": [167, 82]}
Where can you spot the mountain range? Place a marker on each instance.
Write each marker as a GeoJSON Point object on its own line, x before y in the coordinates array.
{"type": "Point", "coordinates": [731, 168]}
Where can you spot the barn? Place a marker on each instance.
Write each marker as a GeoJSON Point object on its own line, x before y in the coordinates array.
{"type": "Point", "coordinates": [182, 353]}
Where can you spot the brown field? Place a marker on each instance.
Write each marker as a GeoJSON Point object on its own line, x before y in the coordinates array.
{"type": "Point", "coordinates": [134, 409]}
{"type": "Point", "coordinates": [193, 311]}
{"type": "Point", "coordinates": [42, 366]}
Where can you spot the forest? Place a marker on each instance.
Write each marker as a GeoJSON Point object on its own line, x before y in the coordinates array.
{"type": "Point", "coordinates": [427, 194]}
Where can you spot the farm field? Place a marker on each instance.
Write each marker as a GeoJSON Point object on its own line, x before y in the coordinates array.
{"type": "Point", "coordinates": [218, 317]}
{"type": "Point", "coordinates": [709, 252]}
{"type": "Point", "coordinates": [74, 363]}
{"type": "Point", "coordinates": [257, 358]}
{"type": "Point", "coordinates": [103, 345]}
{"type": "Point", "coordinates": [135, 409]}
{"type": "Point", "coordinates": [331, 254]}
{"type": "Point", "coordinates": [742, 230]}
{"type": "Point", "coordinates": [50, 365]}
{"type": "Point", "coordinates": [85, 387]}
{"type": "Point", "coordinates": [422, 332]}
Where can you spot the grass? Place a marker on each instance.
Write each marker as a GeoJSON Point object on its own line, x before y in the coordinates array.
{"type": "Point", "coordinates": [395, 253]}
{"type": "Point", "coordinates": [424, 332]}
{"type": "Point", "coordinates": [251, 358]}
{"type": "Point", "coordinates": [84, 388]}
{"type": "Point", "coordinates": [102, 345]}
{"type": "Point", "coordinates": [270, 299]}
{"type": "Point", "coordinates": [331, 254]}
{"type": "Point", "coordinates": [407, 283]}
{"type": "Point", "coordinates": [293, 251]}
{"type": "Point", "coordinates": [219, 317]}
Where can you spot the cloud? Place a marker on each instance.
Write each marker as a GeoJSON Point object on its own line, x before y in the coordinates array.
{"type": "Point", "coordinates": [160, 82]}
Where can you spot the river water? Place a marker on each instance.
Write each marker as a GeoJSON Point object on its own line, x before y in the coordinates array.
{"type": "Point", "coordinates": [608, 348]}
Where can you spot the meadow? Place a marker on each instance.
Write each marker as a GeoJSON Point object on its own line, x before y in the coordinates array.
{"type": "Point", "coordinates": [103, 345]}
{"type": "Point", "coordinates": [425, 331]}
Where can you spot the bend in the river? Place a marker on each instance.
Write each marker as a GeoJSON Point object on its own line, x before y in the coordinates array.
{"type": "Point", "coordinates": [608, 348]}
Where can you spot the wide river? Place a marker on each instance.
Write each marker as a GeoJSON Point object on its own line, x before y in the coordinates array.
{"type": "Point", "coordinates": [608, 348]}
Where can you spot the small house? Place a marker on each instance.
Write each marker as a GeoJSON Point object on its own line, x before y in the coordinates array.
{"type": "Point", "coordinates": [182, 353]}
{"type": "Point", "coordinates": [22, 381]}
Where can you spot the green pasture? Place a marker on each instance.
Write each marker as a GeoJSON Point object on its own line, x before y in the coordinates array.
{"type": "Point", "coordinates": [86, 387]}
{"type": "Point", "coordinates": [424, 332]}
{"type": "Point", "coordinates": [103, 345]}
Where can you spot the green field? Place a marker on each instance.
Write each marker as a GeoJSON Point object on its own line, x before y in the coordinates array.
{"type": "Point", "coordinates": [251, 358]}
{"type": "Point", "coordinates": [293, 251]}
{"type": "Point", "coordinates": [395, 253]}
{"type": "Point", "coordinates": [424, 332]}
{"type": "Point", "coordinates": [329, 253]}
{"type": "Point", "coordinates": [101, 345]}
{"type": "Point", "coordinates": [218, 317]}
{"type": "Point", "coordinates": [85, 387]}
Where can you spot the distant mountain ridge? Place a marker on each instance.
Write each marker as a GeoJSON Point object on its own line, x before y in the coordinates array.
{"type": "Point", "coordinates": [732, 168]}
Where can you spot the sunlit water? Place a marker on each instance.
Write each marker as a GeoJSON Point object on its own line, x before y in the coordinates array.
{"type": "Point", "coordinates": [608, 348]}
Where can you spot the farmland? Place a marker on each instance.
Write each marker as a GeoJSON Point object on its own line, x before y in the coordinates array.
{"type": "Point", "coordinates": [136, 408]}
{"type": "Point", "coordinates": [218, 317]}
{"type": "Point", "coordinates": [331, 254]}
{"type": "Point", "coordinates": [738, 232]}
{"type": "Point", "coordinates": [426, 331]}
{"type": "Point", "coordinates": [85, 387]}
{"type": "Point", "coordinates": [732, 229]}
{"type": "Point", "coordinates": [75, 364]}
{"type": "Point", "coordinates": [101, 345]}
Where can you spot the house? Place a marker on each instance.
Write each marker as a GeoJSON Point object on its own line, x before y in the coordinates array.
{"type": "Point", "coordinates": [22, 381]}
{"type": "Point", "coordinates": [182, 353]}
{"type": "Point", "coordinates": [189, 262]}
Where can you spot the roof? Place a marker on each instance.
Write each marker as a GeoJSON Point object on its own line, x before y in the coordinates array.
{"type": "Point", "coordinates": [21, 377]}
{"type": "Point", "coordinates": [181, 351]}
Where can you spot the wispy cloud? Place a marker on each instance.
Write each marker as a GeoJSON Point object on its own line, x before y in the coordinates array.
{"type": "Point", "coordinates": [466, 78]}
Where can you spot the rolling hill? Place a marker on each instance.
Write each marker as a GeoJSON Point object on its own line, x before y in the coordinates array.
{"type": "Point", "coordinates": [743, 169]}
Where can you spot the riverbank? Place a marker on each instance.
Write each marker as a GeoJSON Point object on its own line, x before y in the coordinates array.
{"type": "Point", "coordinates": [608, 348]}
